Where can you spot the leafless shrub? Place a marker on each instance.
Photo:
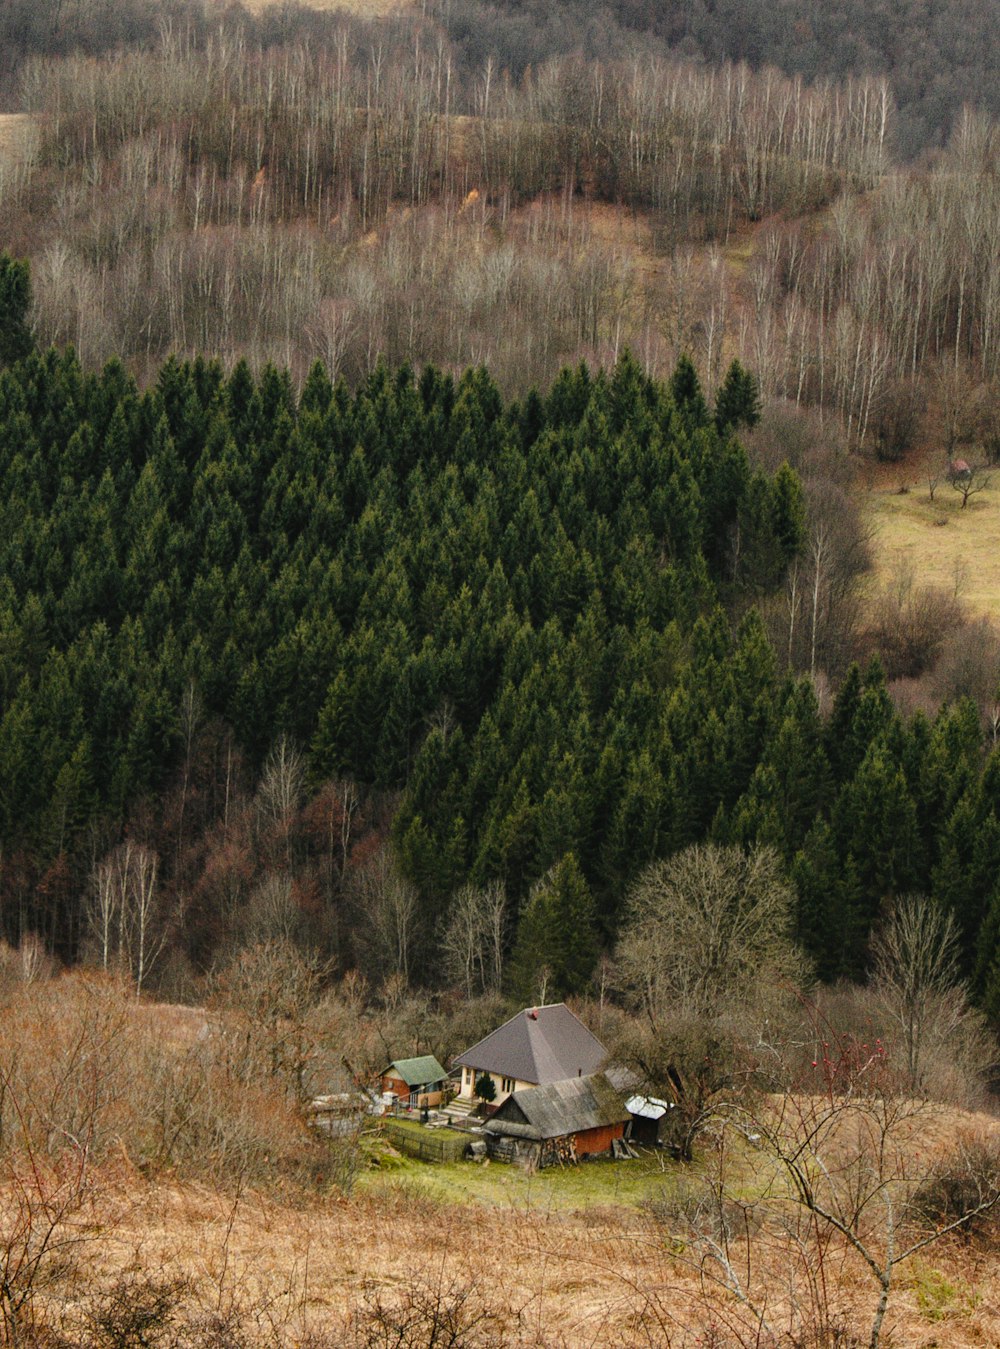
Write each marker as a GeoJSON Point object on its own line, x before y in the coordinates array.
{"type": "Point", "coordinates": [138, 1311]}
{"type": "Point", "coordinates": [909, 623]}
{"type": "Point", "coordinates": [962, 1189]}
{"type": "Point", "coordinates": [439, 1312]}
{"type": "Point", "coordinates": [969, 666]}
{"type": "Point", "coordinates": [43, 1223]}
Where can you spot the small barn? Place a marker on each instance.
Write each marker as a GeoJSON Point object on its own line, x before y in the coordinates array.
{"type": "Point", "coordinates": [416, 1083]}
{"type": "Point", "coordinates": [558, 1122]}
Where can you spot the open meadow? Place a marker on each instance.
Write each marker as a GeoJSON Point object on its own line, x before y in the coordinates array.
{"type": "Point", "coordinates": [937, 542]}
{"type": "Point", "coordinates": [489, 1255]}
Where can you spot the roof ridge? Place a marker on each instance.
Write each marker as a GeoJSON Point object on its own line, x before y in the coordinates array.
{"type": "Point", "coordinates": [532, 1021]}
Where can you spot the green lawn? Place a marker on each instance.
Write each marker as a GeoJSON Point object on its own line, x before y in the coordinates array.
{"type": "Point", "coordinates": [591, 1184]}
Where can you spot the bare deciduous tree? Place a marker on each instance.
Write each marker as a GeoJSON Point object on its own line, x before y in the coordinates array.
{"type": "Point", "coordinates": [473, 941]}
{"type": "Point", "coordinates": [123, 912]}
{"type": "Point", "coordinates": [968, 482]}
{"type": "Point", "coordinates": [280, 791]}
{"type": "Point", "coordinates": [915, 974]}
{"type": "Point", "coordinates": [385, 906]}
{"type": "Point", "coordinates": [270, 989]}
{"type": "Point", "coordinates": [709, 928]}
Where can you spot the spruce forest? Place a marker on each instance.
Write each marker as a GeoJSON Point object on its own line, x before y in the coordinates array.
{"type": "Point", "coordinates": [493, 637]}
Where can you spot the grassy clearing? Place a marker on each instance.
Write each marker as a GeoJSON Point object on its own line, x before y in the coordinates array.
{"type": "Point", "coordinates": [17, 131]}
{"type": "Point", "coordinates": [942, 544]}
{"type": "Point", "coordinates": [598, 1184]}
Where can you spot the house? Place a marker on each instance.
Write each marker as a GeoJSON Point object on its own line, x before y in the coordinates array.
{"type": "Point", "coordinates": [558, 1122]}
{"type": "Point", "coordinates": [535, 1047]}
{"type": "Point", "coordinates": [416, 1083]}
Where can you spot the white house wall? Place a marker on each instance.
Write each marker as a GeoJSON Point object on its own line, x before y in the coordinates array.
{"type": "Point", "coordinates": [505, 1086]}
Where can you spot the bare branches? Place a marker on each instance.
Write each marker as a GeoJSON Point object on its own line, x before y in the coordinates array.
{"type": "Point", "coordinates": [915, 957]}
{"type": "Point", "coordinates": [123, 913]}
{"type": "Point", "coordinates": [709, 926]}
{"type": "Point", "coordinates": [474, 939]}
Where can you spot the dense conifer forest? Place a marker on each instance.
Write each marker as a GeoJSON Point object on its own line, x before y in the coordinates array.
{"type": "Point", "coordinates": [269, 635]}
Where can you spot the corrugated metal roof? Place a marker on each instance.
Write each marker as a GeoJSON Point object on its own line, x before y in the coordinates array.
{"type": "Point", "coordinates": [540, 1044]}
{"type": "Point", "coordinates": [560, 1108]}
{"type": "Point", "coordinates": [647, 1107]}
{"type": "Point", "coordinates": [417, 1072]}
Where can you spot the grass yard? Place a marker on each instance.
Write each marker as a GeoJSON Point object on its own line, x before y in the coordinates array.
{"type": "Point", "coordinates": [955, 549]}
{"type": "Point", "coordinates": [599, 1184]}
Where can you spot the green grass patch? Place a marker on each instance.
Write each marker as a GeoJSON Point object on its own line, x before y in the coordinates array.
{"type": "Point", "coordinates": [592, 1184]}
{"type": "Point", "coordinates": [939, 1297]}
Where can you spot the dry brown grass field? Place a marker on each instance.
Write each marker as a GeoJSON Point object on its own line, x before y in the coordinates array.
{"type": "Point", "coordinates": [16, 134]}
{"type": "Point", "coordinates": [325, 1271]}
{"type": "Point", "coordinates": [937, 541]}
{"type": "Point", "coordinates": [151, 1158]}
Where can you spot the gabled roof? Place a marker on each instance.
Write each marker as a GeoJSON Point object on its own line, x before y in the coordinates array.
{"type": "Point", "coordinates": [417, 1072]}
{"type": "Point", "coordinates": [540, 1044]}
{"type": "Point", "coordinates": [559, 1108]}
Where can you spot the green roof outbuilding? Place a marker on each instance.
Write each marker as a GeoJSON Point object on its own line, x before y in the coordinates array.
{"type": "Point", "coordinates": [420, 1072]}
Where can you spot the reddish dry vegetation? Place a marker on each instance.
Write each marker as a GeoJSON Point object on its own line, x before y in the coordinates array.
{"type": "Point", "coordinates": [365, 1271]}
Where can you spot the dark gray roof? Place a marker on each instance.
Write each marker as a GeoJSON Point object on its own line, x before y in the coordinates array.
{"type": "Point", "coordinates": [559, 1108]}
{"type": "Point", "coordinates": [540, 1044]}
{"type": "Point", "coordinates": [417, 1072]}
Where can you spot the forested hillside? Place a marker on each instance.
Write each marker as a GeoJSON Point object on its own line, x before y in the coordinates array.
{"type": "Point", "coordinates": [937, 57]}
{"type": "Point", "coordinates": [354, 193]}
{"type": "Point", "coordinates": [253, 635]}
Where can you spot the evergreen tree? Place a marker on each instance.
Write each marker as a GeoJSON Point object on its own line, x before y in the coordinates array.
{"type": "Point", "coordinates": [556, 947]}
{"type": "Point", "coordinates": [16, 341]}
{"type": "Point", "coordinates": [685, 386]}
{"type": "Point", "coordinates": [738, 401]}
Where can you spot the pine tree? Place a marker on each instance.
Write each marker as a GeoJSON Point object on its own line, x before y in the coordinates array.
{"type": "Point", "coordinates": [556, 947]}
{"type": "Point", "coordinates": [685, 387]}
{"type": "Point", "coordinates": [16, 341]}
{"type": "Point", "coordinates": [738, 400]}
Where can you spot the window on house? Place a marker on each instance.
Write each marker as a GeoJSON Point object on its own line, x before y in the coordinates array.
{"type": "Point", "coordinates": [508, 1084]}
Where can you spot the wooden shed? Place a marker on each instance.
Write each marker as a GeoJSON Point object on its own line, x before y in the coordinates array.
{"type": "Point", "coordinates": [651, 1120]}
{"type": "Point", "coordinates": [559, 1122]}
{"type": "Point", "coordinates": [416, 1083]}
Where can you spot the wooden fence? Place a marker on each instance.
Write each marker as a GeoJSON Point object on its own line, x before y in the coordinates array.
{"type": "Point", "coordinates": [427, 1145]}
